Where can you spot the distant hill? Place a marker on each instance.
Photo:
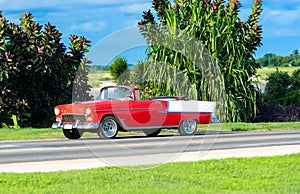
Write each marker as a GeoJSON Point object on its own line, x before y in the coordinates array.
{"type": "Point", "coordinates": [102, 67]}
{"type": "Point", "coordinates": [272, 60]}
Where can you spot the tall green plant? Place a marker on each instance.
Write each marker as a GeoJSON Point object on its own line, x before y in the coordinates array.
{"type": "Point", "coordinates": [40, 72]}
{"type": "Point", "coordinates": [230, 42]}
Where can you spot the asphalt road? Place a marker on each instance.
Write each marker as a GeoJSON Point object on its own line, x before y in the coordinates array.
{"type": "Point", "coordinates": [52, 155]}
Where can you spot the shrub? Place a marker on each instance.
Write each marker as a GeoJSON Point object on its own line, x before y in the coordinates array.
{"type": "Point", "coordinates": [281, 100]}
{"type": "Point", "coordinates": [36, 70]}
{"type": "Point", "coordinates": [118, 67]}
{"type": "Point", "coordinates": [282, 89]}
{"type": "Point", "coordinates": [276, 113]}
{"type": "Point", "coordinates": [277, 87]}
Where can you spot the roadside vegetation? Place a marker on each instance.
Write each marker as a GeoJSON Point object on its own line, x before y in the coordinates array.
{"type": "Point", "coordinates": [278, 174]}
{"type": "Point", "coordinates": [226, 62]}
{"type": "Point", "coordinates": [38, 72]}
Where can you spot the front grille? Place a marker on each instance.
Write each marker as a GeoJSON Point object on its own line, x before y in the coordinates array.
{"type": "Point", "coordinates": [73, 118]}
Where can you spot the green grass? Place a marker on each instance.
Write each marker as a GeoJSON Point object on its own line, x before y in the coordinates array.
{"type": "Point", "coordinates": [278, 174]}
{"type": "Point", "coordinates": [265, 71]}
{"type": "Point", "coordinates": [35, 134]}
{"type": "Point", "coordinates": [29, 134]}
{"type": "Point", "coordinates": [96, 77]}
{"type": "Point", "coordinates": [251, 126]}
{"type": "Point", "coordinates": [48, 133]}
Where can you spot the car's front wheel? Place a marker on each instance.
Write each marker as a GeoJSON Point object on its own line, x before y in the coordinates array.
{"type": "Point", "coordinates": [188, 127]}
{"type": "Point", "coordinates": [71, 133]}
{"type": "Point", "coordinates": [108, 128]}
{"type": "Point", "coordinates": [152, 132]}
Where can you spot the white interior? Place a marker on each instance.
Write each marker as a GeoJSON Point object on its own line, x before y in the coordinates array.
{"type": "Point", "coordinates": [191, 106]}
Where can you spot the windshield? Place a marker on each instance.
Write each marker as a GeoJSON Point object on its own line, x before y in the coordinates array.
{"type": "Point", "coordinates": [115, 93]}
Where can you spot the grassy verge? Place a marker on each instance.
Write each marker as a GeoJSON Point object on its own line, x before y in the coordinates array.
{"type": "Point", "coordinates": [238, 175]}
{"type": "Point", "coordinates": [96, 77]}
{"type": "Point", "coordinates": [265, 71]}
{"type": "Point", "coordinates": [43, 133]}
{"type": "Point", "coordinates": [252, 126]}
{"type": "Point", "coordinates": [29, 134]}
{"type": "Point", "coordinates": [47, 133]}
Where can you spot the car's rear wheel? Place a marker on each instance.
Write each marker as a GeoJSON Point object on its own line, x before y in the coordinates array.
{"type": "Point", "coordinates": [71, 133]}
{"type": "Point", "coordinates": [188, 127]}
{"type": "Point", "coordinates": [108, 128]}
{"type": "Point", "coordinates": [152, 132]}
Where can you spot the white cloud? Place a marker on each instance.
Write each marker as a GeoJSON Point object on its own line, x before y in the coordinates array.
{"type": "Point", "coordinates": [135, 7]}
{"type": "Point", "coordinates": [37, 4]}
{"type": "Point", "coordinates": [280, 22]}
{"type": "Point", "coordinates": [90, 26]}
{"type": "Point", "coordinates": [281, 17]}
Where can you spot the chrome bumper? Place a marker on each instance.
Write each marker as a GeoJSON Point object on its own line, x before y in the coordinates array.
{"type": "Point", "coordinates": [75, 126]}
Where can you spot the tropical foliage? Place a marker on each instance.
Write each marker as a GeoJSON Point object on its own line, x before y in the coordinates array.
{"type": "Point", "coordinates": [201, 40]}
{"type": "Point", "coordinates": [36, 70]}
{"type": "Point", "coordinates": [281, 100]}
{"type": "Point", "coordinates": [282, 89]}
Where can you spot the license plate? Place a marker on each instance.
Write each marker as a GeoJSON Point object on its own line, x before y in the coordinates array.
{"type": "Point", "coordinates": [68, 126]}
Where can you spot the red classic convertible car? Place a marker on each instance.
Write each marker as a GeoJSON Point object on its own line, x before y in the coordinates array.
{"type": "Point", "coordinates": [119, 108]}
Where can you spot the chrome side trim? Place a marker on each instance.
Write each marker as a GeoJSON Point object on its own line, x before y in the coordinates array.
{"type": "Point", "coordinates": [143, 128]}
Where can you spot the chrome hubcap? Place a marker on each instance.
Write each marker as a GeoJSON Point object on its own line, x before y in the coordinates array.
{"type": "Point", "coordinates": [109, 128]}
{"type": "Point", "coordinates": [189, 126]}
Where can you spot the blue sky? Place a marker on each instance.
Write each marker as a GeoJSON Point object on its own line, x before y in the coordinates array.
{"type": "Point", "coordinates": [102, 20]}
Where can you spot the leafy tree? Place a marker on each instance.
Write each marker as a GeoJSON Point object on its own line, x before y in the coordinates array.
{"type": "Point", "coordinates": [118, 67]}
{"type": "Point", "coordinates": [273, 60]}
{"type": "Point", "coordinates": [281, 99]}
{"type": "Point", "coordinates": [277, 87]}
{"type": "Point", "coordinates": [295, 56]}
{"type": "Point", "coordinates": [292, 96]}
{"type": "Point", "coordinates": [230, 41]}
{"type": "Point", "coordinates": [39, 72]}
{"type": "Point", "coordinates": [6, 97]}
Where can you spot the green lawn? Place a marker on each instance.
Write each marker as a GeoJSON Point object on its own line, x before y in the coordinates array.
{"type": "Point", "coordinates": [272, 126]}
{"type": "Point", "coordinates": [238, 175]}
{"type": "Point", "coordinates": [96, 77]}
{"type": "Point", "coordinates": [265, 71]}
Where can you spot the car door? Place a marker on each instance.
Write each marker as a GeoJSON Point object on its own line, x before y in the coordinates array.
{"type": "Point", "coordinates": [146, 114]}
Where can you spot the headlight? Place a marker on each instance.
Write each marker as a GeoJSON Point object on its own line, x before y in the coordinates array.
{"type": "Point", "coordinates": [56, 111]}
{"type": "Point", "coordinates": [88, 111]}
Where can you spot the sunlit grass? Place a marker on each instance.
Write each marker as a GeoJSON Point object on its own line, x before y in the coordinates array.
{"type": "Point", "coordinates": [265, 71]}
{"type": "Point", "coordinates": [278, 174]}
{"type": "Point", "coordinates": [97, 77]}
{"type": "Point", "coordinates": [271, 126]}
